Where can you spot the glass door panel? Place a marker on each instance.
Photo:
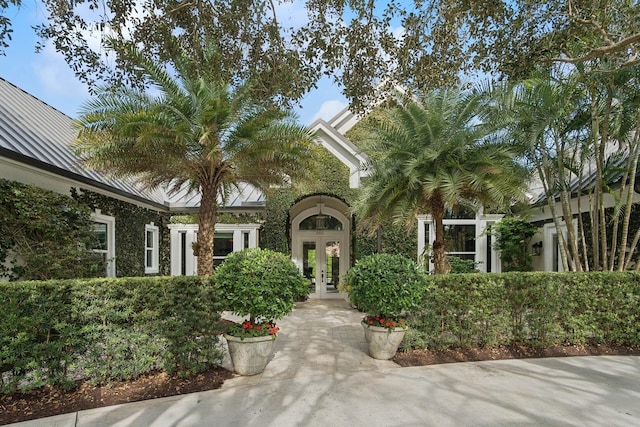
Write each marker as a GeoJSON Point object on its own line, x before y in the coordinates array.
{"type": "Point", "coordinates": [332, 265]}
{"type": "Point", "coordinates": [309, 264]}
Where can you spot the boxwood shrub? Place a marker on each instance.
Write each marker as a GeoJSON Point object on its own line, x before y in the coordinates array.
{"type": "Point", "coordinates": [104, 329]}
{"type": "Point", "coordinates": [538, 309]}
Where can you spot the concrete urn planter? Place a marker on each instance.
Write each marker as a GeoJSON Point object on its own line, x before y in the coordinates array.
{"type": "Point", "coordinates": [250, 355]}
{"type": "Point", "coordinates": [383, 342]}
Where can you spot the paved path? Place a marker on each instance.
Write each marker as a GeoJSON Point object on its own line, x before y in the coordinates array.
{"type": "Point", "coordinates": [321, 376]}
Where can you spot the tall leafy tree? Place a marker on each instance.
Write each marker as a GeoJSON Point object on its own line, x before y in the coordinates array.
{"type": "Point", "coordinates": [193, 131]}
{"type": "Point", "coordinates": [289, 44]}
{"type": "Point", "coordinates": [433, 154]}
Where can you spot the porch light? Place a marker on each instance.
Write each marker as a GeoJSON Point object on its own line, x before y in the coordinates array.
{"type": "Point", "coordinates": [321, 219]}
{"type": "Point", "coordinates": [537, 248]}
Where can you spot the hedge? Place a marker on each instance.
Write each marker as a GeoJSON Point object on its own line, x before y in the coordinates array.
{"type": "Point", "coordinates": [537, 309]}
{"type": "Point", "coordinates": [104, 330]}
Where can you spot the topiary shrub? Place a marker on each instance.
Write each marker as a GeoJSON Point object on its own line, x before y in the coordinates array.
{"type": "Point", "coordinates": [262, 284]}
{"type": "Point", "coordinates": [386, 287]}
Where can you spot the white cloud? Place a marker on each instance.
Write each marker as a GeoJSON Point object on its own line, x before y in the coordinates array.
{"type": "Point", "coordinates": [329, 109]}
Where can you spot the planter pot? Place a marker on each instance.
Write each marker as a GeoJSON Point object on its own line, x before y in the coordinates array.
{"type": "Point", "coordinates": [383, 342]}
{"type": "Point", "coordinates": [250, 355]}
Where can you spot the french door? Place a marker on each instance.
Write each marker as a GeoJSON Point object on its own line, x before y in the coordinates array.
{"type": "Point", "coordinates": [321, 264]}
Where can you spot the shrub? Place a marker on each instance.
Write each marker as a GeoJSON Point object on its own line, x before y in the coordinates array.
{"type": "Point", "coordinates": [538, 309]}
{"type": "Point", "coordinates": [512, 235]}
{"type": "Point", "coordinates": [260, 283]}
{"type": "Point", "coordinates": [460, 265]}
{"type": "Point", "coordinates": [385, 285]}
{"type": "Point", "coordinates": [106, 329]}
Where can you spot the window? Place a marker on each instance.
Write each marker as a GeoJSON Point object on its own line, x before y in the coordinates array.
{"type": "Point", "coordinates": [151, 250]}
{"type": "Point", "coordinates": [320, 222]}
{"type": "Point", "coordinates": [227, 238]}
{"type": "Point", "coordinates": [460, 241]}
{"type": "Point", "coordinates": [222, 246]}
{"type": "Point", "coordinates": [465, 238]}
{"type": "Point", "coordinates": [104, 228]}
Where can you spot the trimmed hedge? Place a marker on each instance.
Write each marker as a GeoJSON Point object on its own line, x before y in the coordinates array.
{"type": "Point", "coordinates": [538, 309]}
{"type": "Point", "coordinates": [105, 329]}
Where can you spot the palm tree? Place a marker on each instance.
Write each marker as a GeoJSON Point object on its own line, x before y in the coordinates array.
{"type": "Point", "coordinates": [435, 154]}
{"type": "Point", "coordinates": [192, 131]}
{"type": "Point", "coordinates": [545, 124]}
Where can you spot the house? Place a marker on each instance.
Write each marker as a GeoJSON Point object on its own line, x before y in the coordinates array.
{"type": "Point", "coordinates": [152, 232]}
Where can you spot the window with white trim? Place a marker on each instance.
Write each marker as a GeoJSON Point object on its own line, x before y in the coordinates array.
{"type": "Point", "coordinates": [105, 229]}
{"type": "Point", "coordinates": [228, 238]}
{"type": "Point", "coordinates": [222, 246]}
{"type": "Point", "coordinates": [151, 249]}
{"type": "Point", "coordinates": [460, 240]}
{"type": "Point", "coordinates": [465, 237]}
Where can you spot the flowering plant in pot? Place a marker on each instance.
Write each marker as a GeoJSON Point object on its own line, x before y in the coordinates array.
{"type": "Point", "coordinates": [386, 287]}
{"type": "Point", "coordinates": [263, 286]}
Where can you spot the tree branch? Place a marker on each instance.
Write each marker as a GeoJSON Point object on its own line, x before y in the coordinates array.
{"type": "Point", "coordinates": [600, 51]}
{"type": "Point", "coordinates": [601, 30]}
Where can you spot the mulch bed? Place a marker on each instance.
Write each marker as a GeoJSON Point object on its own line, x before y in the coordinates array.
{"type": "Point", "coordinates": [515, 351]}
{"type": "Point", "coordinates": [50, 401]}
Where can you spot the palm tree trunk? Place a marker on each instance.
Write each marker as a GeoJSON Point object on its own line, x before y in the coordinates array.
{"type": "Point", "coordinates": [207, 222]}
{"type": "Point", "coordinates": [600, 162]}
{"type": "Point", "coordinates": [573, 259]}
{"type": "Point", "coordinates": [440, 264]}
{"type": "Point", "coordinates": [634, 154]}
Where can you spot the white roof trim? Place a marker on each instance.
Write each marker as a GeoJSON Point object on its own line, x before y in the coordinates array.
{"type": "Point", "coordinates": [331, 139]}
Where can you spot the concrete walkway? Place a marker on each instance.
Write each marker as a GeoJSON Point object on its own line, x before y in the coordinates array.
{"type": "Point", "coordinates": [320, 375]}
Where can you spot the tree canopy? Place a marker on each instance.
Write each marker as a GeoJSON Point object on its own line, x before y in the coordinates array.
{"type": "Point", "coordinates": [287, 45]}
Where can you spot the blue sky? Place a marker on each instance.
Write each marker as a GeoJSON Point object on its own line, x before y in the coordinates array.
{"type": "Point", "coordinates": [47, 76]}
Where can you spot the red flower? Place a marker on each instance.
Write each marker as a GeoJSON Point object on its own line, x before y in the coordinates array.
{"type": "Point", "coordinates": [245, 326]}
{"type": "Point", "coordinates": [387, 324]}
{"type": "Point", "coordinates": [371, 322]}
{"type": "Point", "coordinates": [258, 328]}
{"type": "Point", "coordinates": [250, 326]}
{"type": "Point", "coordinates": [393, 324]}
{"type": "Point", "coordinates": [381, 321]}
{"type": "Point", "coordinates": [401, 320]}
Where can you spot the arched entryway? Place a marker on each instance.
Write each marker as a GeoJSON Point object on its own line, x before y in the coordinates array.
{"type": "Point", "coordinates": [321, 242]}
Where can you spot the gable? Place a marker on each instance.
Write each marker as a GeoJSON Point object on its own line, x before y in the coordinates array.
{"type": "Point", "coordinates": [335, 142]}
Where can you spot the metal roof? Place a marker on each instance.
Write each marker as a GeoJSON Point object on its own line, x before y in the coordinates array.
{"type": "Point", "coordinates": [33, 132]}
{"type": "Point", "coordinates": [614, 169]}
